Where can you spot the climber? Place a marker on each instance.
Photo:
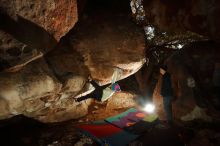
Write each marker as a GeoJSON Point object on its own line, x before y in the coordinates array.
{"type": "Point", "coordinates": [102, 93]}
{"type": "Point", "coordinates": [167, 93]}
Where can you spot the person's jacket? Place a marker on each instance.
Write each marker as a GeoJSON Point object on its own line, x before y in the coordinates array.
{"type": "Point", "coordinates": [166, 87]}
{"type": "Point", "coordinates": [102, 93]}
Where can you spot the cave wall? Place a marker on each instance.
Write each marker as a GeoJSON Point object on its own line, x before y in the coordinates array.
{"type": "Point", "coordinates": [200, 16]}
{"type": "Point", "coordinates": [184, 35]}
{"type": "Point", "coordinates": [196, 60]}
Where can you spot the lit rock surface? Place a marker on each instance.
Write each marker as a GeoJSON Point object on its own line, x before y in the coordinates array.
{"type": "Point", "coordinates": [31, 83]}
{"type": "Point", "coordinates": [56, 17]}
{"type": "Point", "coordinates": [46, 88]}
{"type": "Point", "coordinates": [63, 110]}
{"type": "Point", "coordinates": [35, 92]}
{"type": "Point", "coordinates": [99, 49]}
{"type": "Point", "coordinates": [121, 100]}
{"type": "Point", "coordinates": [29, 29]}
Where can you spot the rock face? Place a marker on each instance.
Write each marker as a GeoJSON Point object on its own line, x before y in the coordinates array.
{"type": "Point", "coordinates": [29, 29]}
{"type": "Point", "coordinates": [200, 16]}
{"type": "Point", "coordinates": [100, 49]}
{"type": "Point", "coordinates": [54, 16]}
{"type": "Point", "coordinates": [46, 88]}
{"type": "Point", "coordinates": [31, 83]}
{"type": "Point", "coordinates": [35, 92]}
{"type": "Point", "coordinates": [121, 100]}
{"type": "Point", "coordinates": [14, 54]}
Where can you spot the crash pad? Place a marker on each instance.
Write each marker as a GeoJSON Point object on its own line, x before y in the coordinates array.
{"type": "Point", "coordinates": [106, 134]}
{"type": "Point", "coordinates": [142, 127]}
{"type": "Point", "coordinates": [121, 129]}
{"type": "Point", "coordinates": [127, 118]}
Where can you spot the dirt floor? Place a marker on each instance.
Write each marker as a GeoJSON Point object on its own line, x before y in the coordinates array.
{"type": "Point", "coordinates": [22, 131]}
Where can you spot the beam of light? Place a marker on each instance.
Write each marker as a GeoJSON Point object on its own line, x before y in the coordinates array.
{"type": "Point", "coordinates": [149, 108]}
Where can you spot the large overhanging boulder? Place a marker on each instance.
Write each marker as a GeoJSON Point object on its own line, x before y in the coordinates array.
{"type": "Point", "coordinates": [45, 89]}
{"type": "Point", "coordinates": [116, 43]}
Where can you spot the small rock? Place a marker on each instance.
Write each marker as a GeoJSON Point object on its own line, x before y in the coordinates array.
{"type": "Point", "coordinates": [84, 141]}
{"type": "Point", "coordinates": [55, 143]}
{"type": "Point", "coordinates": [94, 112]}
{"type": "Point", "coordinates": [80, 121]}
{"type": "Point", "coordinates": [121, 100]}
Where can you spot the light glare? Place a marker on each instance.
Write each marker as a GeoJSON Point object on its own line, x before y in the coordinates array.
{"type": "Point", "coordinates": [149, 108]}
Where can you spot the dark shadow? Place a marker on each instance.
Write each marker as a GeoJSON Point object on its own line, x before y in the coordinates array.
{"type": "Point", "coordinates": [162, 137]}
{"type": "Point", "coordinates": [113, 6]}
{"type": "Point", "coordinates": [20, 131]}
{"type": "Point", "coordinates": [27, 32]}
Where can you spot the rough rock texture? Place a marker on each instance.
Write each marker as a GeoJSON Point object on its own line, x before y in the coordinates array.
{"type": "Point", "coordinates": [98, 49]}
{"type": "Point", "coordinates": [199, 16]}
{"type": "Point", "coordinates": [29, 29]}
{"type": "Point", "coordinates": [63, 110]}
{"type": "Point", "coordinates": [56, 17]}
{"type": "Point", "coordinates": [121, 100]}
{"type": "Point", "coordinates": [35, 92]}
{"type": "Point", "coordinates": [14, 54]}
{"type": "Point", "coordinates": [46, 89]}
{"type": "Point", "coordinates": [32, 82]}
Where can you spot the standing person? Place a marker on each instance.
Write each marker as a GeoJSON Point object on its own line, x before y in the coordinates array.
{"type": "Point", "coordinates": [167, 93]}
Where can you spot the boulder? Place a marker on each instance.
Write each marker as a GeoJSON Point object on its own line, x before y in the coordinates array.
{"type": "Point", "coordinates": [31, 83]}
{"type": "Point", "coordinates": [54, 16]}
{"type": "Point", "coordinates": [35, 92]}
{"type": "Point", "coordinates": [29, 29]}
{"type": "Point", "coordinates": [99, 50]}
{"type": "Point", "coordinates": [14, 54]}
{"type": "Point", "coordinates": [46, 88]}
{"type": "Point", "coordinates": [64, 110]}
{"type": "Point", "coordinates": [121, 100]}
{"type": "Point", "coordinates": [4, 111]}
